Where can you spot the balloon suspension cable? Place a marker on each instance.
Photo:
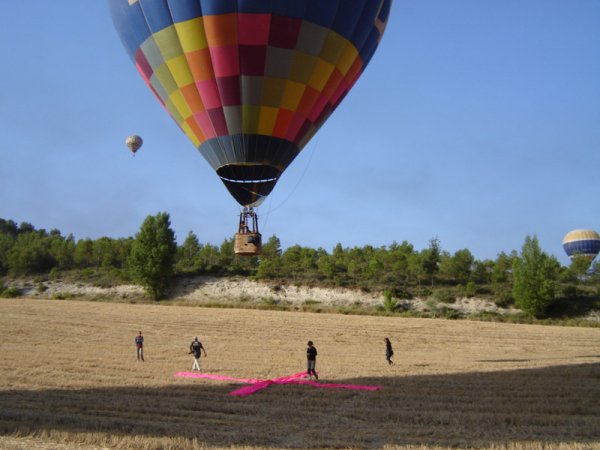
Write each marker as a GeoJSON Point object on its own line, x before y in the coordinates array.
{"type": "Point", "coordinates": [285, 200]}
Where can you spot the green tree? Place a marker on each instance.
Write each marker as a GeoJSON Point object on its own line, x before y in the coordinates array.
{"type": "Point", "coordinates": [62, 249]}
{"type": "Point", "coordinates": [301, 263]}
{"type": "Point", "coordinates": [153, 254]}
{"type": "Point", "coordinates": [188, 255]}
{"type": "Point", "coordinates": [374, 269]}
{"type": "Point", "coordinates": [208, 259]}
{"type": "Point", "coordinates": [84, 253]}
{"type": "Point", "coordinates": [462, 265]}
{"type": "Point", "coordinates": [270, 259]}
{"type": "Point", "coordinates": [326, 267]}
{"type": "Point", "coordinates": [6, 243]}
{"type": "Point", "coordinates": [431, 258]}
{"type": "Point", "coordinates": [482, 271]}
{"type": "Point", "coordinates": [31, 253]}
{"type": "Point", "coordinates": [26, 227]}
{"type": "Point", "coordinates": [8, 227]}
{"type": "Point", "coordinates": [534, 275]}
{"type": "Point", "coordinates": [335, 267]}
{"type": "Point", "coordinates": [105, 252]}
{"type": "Point", "coordinates": [502, 271]}
{"type": "Point", "coordinates": [123, 250]}
{"type": "Point", "coordinates": [415, 268]}
{"type": "Point", "coordinates": [395, 264]}
{"type": "Point", "coordinates": [227, 256]}
{"type": "Point", "coordinates": [579, 265]}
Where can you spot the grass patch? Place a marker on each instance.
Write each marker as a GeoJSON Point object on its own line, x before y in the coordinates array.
{"type": "Point", "coordinates": [10, 292]}
{"type": "Point", "coordinates": [63, 296]}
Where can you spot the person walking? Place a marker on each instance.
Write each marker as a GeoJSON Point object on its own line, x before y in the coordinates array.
{"type": "Point", "coordinates": [388, 351]}
{"type": "Point", "coordinates": [311, 356]}
{"type": "Point", "coordinates": [197, 348]}
{"type": "Point", "coordinates": [139, 345]}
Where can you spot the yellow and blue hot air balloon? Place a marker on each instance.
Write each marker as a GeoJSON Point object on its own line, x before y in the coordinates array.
{"type": "Point", "coordinates": [585, 243]}
{"type": "Point", "coordinates": [250, 81]}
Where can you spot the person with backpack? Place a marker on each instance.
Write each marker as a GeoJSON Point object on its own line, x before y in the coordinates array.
{"type": "Point", "coordinates": [197, 348]}
{"type": "Point", "coordinates": [139, 345]}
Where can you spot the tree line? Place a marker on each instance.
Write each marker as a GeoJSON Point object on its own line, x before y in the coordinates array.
{"type": "Point", "coordinates": [152, 258]}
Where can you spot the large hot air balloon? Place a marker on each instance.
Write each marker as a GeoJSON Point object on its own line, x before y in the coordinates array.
{"type": "Point", "coordinates": [134, 143]}
{"type": "Point", "coordinates": [585, 243]}
{"type": "Point", "coordinates": [250, 81]}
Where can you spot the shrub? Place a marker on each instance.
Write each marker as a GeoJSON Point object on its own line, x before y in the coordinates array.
{"type": "Point", "coordinates": [503, 298]}
{"type": "Point", "coordinates": [310, 302]}
{"type": "Point", "coordinates": [470, 289]}
{"type": "Point", "coordinates": [444, 295]}
{"type": "Point", "coordinates": [402, 292]}
{"type": "Point", "coordinates": [244, 298]}
{"type": "Point", "coordinates": [11, 292]}
{"type": "Point", "coordinates": [432, 306]}
{"type": "Point", "coordinates": [389, 303]}
{"type": "Point", "coordinates": [63, 296]}
{"type": "Point", "coordinates": [87, 273]}
{"type": "Point", "coordinates": [424, 292]}
{"type": "Point", "coordinates": [450, 313]}
{"type": "Point", "coordinates": [488, 316]}
{"type": "Point", "coordinates": [270, 301]}
{"type": "Point", "coordinates": [570, 291]}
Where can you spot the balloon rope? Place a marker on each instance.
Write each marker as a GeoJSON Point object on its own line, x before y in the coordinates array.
{"type": "Point", "coordinates": [312, 154]}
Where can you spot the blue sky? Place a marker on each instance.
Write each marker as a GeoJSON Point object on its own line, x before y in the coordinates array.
{"type": "Point", "coordinates": [476, 122]}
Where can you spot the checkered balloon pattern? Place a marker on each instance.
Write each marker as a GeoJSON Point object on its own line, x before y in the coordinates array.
{"type": "Point", "coordinates": [250, 81]}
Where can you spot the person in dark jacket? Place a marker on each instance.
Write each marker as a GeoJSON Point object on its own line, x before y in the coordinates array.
{"type": "Point", "coordinates": [311, 356]}
{"type": "Point", "coordinates": [139, 346]}
{"type": "Point", "coordinates": [388, 351]}
{"type": "Point", "coordinates": [197, 348]}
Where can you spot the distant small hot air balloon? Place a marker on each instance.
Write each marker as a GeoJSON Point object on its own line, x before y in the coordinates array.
{"type": "Point", "coordinates": [585, 243]}
{"type": "Point", "coordinates": [134, 142]}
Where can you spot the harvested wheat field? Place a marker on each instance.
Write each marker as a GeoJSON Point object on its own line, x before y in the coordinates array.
{"type": "Point", "coordinates": [69, 379]}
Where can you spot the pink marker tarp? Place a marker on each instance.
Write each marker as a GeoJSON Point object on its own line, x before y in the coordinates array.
{"type": "Point", "coordinates": [257, 385]}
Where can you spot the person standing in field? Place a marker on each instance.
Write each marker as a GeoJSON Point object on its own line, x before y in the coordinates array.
{"type": "Point", "coordinates": [197, 348]}
{"type": "Point", "coordinates": [139, 345]}
{"type": "Point", "coordinates": [311, 356]}
{"type": "Point", "coordinates": [388, 351]}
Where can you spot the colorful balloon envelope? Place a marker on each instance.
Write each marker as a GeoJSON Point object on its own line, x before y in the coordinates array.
{"type": "Point", "coordinates": [584, 243]}
{"type": "Point", "coordinates": [250, 81]}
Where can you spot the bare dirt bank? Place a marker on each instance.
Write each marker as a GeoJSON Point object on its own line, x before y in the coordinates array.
{"type": "Point", "coordinates": [205, 290]}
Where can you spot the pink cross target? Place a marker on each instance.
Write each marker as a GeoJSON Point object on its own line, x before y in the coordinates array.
{"type": "Point", "coordinates": [257, 385]}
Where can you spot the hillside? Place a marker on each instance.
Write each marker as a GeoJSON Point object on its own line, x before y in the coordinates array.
{"type": "Point", "coordinates": [237, 291]}
{"type": "Point", "coordinates": [241, 292]}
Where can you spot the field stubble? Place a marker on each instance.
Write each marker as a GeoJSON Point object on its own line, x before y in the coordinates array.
{"type": "Point", "coordinates": [69, 379]}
